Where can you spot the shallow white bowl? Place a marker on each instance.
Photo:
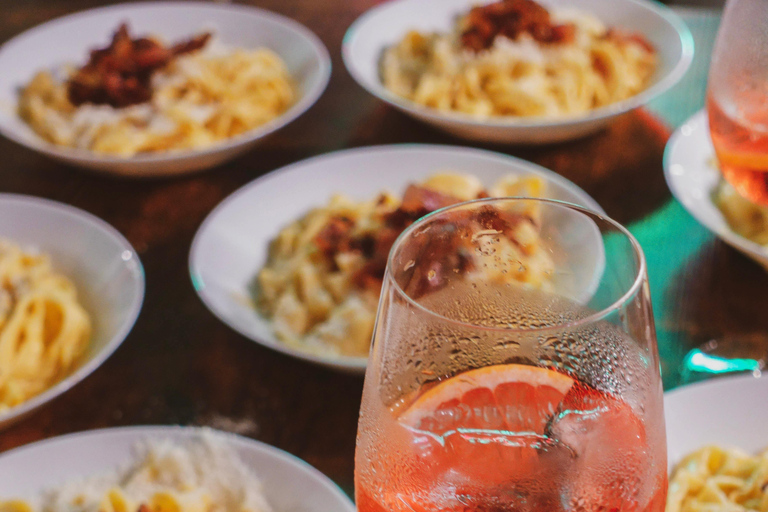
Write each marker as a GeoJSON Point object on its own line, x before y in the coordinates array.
{"type": "Point", "coordinates": [727, 411]}
{"type": "Point", "coordinates": [290, 484]}
{"type": "Point", "coordinates": [693, 179]}
{"type": "Point", "coordinates": [232, 243]}
{"type": "Point", "coordinates": [103, 265]}
{"type": "Point", "coordinates": [387, 23]}
{"type": "Point", "coordinates": [68, 39]}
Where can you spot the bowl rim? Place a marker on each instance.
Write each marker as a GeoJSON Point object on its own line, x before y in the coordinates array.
{"type": "Point", "coordinates": [237, 441]}
{"type": "Point", "coordinates": [86, 156]}
{"type": "Point", "coordinates": [724, 232]}
{"type": "Point", "coordinates": [664, 83]}
{"type": "Point", "coordinates": [354, 364]}
{"type": "Point", "coordinates": [89, 366]}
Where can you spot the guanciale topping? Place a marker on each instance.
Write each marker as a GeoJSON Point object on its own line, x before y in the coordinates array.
{"type": "Point", "coordinates": [337, 236]}
{"type": "Point", "coordinates": [510, 18]}
{"type": "Point", "coordinates": [120, 74]}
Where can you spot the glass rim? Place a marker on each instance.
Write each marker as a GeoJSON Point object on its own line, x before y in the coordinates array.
{"type": "Point", "coordinates": [640, 273]}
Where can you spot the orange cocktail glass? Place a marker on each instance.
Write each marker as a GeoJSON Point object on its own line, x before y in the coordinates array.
{"type": "Point", "coordinates": [487, 391]}
{"type": "Point", "coordinates": [737, 98]}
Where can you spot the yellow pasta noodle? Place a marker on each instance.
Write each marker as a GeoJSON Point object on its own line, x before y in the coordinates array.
{"type": "Point", "coordinates": [715, 479]}
{"type": "Point", "coordinates": [199, 100]}
{"type": "Point", "coordinates": [745, 217]}
{"type": "Point", "coordinates": [521, 77]}
{"type": "Point", "coordinates": [316, 305]}
{"type": "Point", "coordinates": [203, 474]}
{"type": "Point", "coordinates": [43, 328]}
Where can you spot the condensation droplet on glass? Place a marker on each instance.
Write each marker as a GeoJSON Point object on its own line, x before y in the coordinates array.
{"type": "Point", "coordinates": [506, 344]}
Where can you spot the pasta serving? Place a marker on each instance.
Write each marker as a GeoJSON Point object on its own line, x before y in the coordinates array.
{"type": "Point", "coordinates": [43, 328]}
{"type": "Point", "coordinates": [745, 217]}
{"type": "Point", "coordinates": [516, 58]}
{"type": "Point", "coordinates": [322, 281]}
{"type": "Point", "coordinates": [137, 96]}
{"type": "Point", "coordinates": [203, 475]}
{"type": "Point", "coordinates": [715, 479]}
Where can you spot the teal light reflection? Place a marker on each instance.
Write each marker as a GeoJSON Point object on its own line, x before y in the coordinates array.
{"type": "Point", "coordinates": [701, 362]}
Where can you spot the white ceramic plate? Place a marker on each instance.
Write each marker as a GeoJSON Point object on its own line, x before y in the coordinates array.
{"type": "Point", "coordinates": [387, 23]}
{"type": "Point", "coordinates": [68, 39]}
{"type": "Point", "coordinates": [231, 245]}
{"type": "Point", "coordinates": [103, 265]}
{"type": "Point", "coordinates": [727, 411]}
{"type": "Point", "coordinates": [290, 484]}
{"type": "Point", "coordinates": [693, 179]}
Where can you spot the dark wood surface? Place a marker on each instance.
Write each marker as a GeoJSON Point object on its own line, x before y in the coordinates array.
{"type": "Point", "coordinates": [180, 365]}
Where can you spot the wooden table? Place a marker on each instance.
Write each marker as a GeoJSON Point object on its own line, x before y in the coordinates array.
{"type": "Point", "coordinates": [180, 365]}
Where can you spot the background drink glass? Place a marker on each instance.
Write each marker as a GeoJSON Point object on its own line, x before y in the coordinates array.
{"type": "Point", "coordinates": [737, 107]}
{"type": "Point", "coordinates": [737, 97]}
{"type": "Point", "coordinates": [482, 394]}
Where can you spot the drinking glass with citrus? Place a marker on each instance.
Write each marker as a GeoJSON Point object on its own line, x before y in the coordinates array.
{"type": "Point", "coordinates": [514, 367]}
{"type": "Point", "coordinates": [737, 98]}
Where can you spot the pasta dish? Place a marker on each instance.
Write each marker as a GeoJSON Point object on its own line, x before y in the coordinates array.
{"type": "Point", "coordinates": [43, 328]}
{"type": "Point", "coordinates": [715, 479]}
{"type": "Point", "coordinates": [321, 283]}
{"type": "Point", "coordinates": [203, 475]}
{"type": "Point", "coordinates": [745, 217]}
{"type": "Point", "coordinates": [137, 96]}
{"type": "Point", "coordinates": [516, 58]}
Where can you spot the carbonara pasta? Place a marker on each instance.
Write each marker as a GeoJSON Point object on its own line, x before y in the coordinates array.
{"type": "Point", "coordinates": [550, 64]}
{"type": "Point", "coordinates": [197, 100]}
{"type": "Point", "coordinates": [745, 217]}
{"type": "Point", "coordinates": [204, 475]}
{"type": "Point", "coordinates": [321, 284]}
{"type": "Point", "coordinates": [715, 479]}
{"type": "Point", "coordinates": [43, 328]}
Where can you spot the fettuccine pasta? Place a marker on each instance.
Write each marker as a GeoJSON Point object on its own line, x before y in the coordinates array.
{"type": "Point", "coordinates": [590, 67]}
{"type": "Point", "coordinates": [204, 474]}
{"type": "Point", "coordinates": [715, 479]}
{"type": "Point", "coordinates": [199, 100]}
{"type": "Point", "coordinates": [43, 328]}
{"type": "Point", "coordinates": [322, 281]}
{"type": "Point", "coordinates": [745, 217]}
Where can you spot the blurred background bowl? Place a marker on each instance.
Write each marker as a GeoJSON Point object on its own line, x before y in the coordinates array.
{"type": "Point", "coordinates": [233, 242]}
{"type": "Point", "coordinates": [387, 23]}
{"type": "Point", "coordinates": [289, 483]}
{"type": "Point", "coordinates": [104, 267]}
{"type": "Point", "coordinates": [69, 39]}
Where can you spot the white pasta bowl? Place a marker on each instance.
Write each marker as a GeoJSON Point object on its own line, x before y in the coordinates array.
{"type": "Point", "coordinates": [102, 264]}
{"type": "Point", "coordinates": [232, 243]}
{"type": "Point", "coordinates": [289, 483]}
{"type": "Point", "coordinates": [727, 411]}
{"type": "Point", "coordinates": [68, 40]}
{"type": "Point", "coordinates": [386, 24]}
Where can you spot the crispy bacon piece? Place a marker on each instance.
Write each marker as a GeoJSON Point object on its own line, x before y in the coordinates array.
{"type": "Point", "coordinates": [421, 200]}
{"type": "Point", "coordinates": [448, 252]}
{"type": "Point", "coordinates": [629, 37]}
{"type": "Point", "coordinates": [335, 236]}
{"type": "Point", "coordinates": [511, 18]}
{"type": "Point", "coordinates": [439, 256]}
{"type": "Point", "coordinates": [120, 74]}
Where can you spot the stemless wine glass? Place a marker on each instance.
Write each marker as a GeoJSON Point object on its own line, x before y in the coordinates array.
{"type": "Point", "coordinates": [737, 107]}
{"type": "Point", "coordinates": [513, 367]}
{"type": "Point", "coordinates": [737, 97]}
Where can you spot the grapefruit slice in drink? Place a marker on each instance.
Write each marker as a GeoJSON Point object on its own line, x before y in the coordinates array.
{"type": "Point", "coordinates": [487, 424]}
{"type": "Point", "coordinates": [515, 426]}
